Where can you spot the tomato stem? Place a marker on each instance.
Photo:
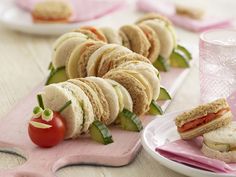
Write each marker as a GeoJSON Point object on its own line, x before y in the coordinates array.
{"type": "Point", "coordinates": [65, 106]}
{"type": "Point", "coordinates": [40, 101]}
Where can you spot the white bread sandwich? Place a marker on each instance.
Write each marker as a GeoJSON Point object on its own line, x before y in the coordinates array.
{"type": "Point", "coordinates": [221, 143]}
{"type": "Point", "coordinates": [78, 115]}
{"type": "Point", "coordinates": [203, 119]}
{"type": "Point", "coordinates": [63, 47]}
{"type": "Point", "coordinates": [148, 71]}
{"type": "Point", "coordinates": [110, 95]}
{"type": "Point", "coordinates": [125, 99]}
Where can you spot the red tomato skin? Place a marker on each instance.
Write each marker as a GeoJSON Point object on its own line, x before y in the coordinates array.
{"type": "Point", "coordinates": [48, 137]}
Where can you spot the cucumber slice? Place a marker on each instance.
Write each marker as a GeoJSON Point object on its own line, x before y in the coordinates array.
{"type": "Point", "coordinates": [100, 133]}
{"type": "Point", "coordinates": [57, 75]}
{"type": "Point", "coordinates": [50, 67]}
{"type": "Point", "coordinates": [155, 109]}
{"type": "Point", "coordinates": [185, 51]}
{"type": "Point", "coordinates": [161, 64]}
{"type": "Point", "coordinates": [164, 95]}
{"type": "Point", "coordinates": [179, 61]}
{"type": "Point", "coordinates": [129, 121]}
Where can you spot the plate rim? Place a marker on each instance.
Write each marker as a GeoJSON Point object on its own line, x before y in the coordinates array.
{"type": "Point", "coordinates": [175, 166]}
{"type": "Point", "coordinates": [38, 28]}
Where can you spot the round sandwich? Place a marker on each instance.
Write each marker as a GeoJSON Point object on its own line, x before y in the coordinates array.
{"type": "Point", "coordinates": [154, 16]}
{"type": "Point", "coordinates": [92, 95]}
{"type": "Point", "coordinates": [167, 41]}
{"type": "Point", "coordinates": [134, 86]}
{"type": "Point", "coordinates": [84, 58]}
{"type": "Point", "coordinates": [137, 39]}
{"type": "Point", "coordinates": [125, 99]}
{"type": "Point", "coordinates": [149, 72]}
{"type": "Point", "coordinates": [111, 35]}
{"type": "Point", "coordinates": [72, 70]}
{"type": "Point", "coordinates": [111, 96]}
{"type": "Point", "coordinates": [105, 112]}
{"type": "Point", "coordinates": [78, 115]}
{"type": "Point", "coordinates": [203, 119]}
{"type": "Point", "coordinates": [153, 39]}
{"type": "Point", "coordinates": [221, 143]}
{"type": "Point", "coordinates": [124, 39]}
{"type": "Point", "coordinates": [105, 63]}
{"type": "Point", "coordinates": [95, 58]}
{"type": "Point", "coordinates": [64, 46]}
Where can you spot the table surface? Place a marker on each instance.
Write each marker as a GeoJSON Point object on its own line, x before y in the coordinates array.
{"type": "Point", "coordinates": [24, 61]}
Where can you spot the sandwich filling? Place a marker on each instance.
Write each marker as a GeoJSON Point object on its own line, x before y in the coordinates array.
{"type": "Point", "coordinates": [202, 120]}
{"type": "Point", "coordinates": [222, 147]}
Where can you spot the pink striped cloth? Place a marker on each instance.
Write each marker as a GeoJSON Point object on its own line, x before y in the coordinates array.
{"type": "Point", "coordinates": [83, 9]}
{"type": "Point", "coordinates": [168, 9]}
{"type": "Point", "coordinates": [189, 152]}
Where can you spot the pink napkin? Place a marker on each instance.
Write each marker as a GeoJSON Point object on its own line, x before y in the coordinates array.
{"type": "Point", "coordinates": [189, 152]}
{"type": "Point", "coordinates": [168, 9]}
{"type": "Point", "coordinates": [83, 9]}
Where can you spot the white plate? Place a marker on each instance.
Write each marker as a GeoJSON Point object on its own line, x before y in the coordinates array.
{"type": "Point", "coordinates": [17, 19]}
{"type": "Point", "coordinates": [162, 130]}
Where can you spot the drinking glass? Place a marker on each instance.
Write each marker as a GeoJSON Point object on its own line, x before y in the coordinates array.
{"type": "Point", "coordinates": [217, 62]}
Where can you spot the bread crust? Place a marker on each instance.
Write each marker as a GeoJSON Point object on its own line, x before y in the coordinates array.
{"type": "Point", "coordinates": [134, 87]}
{"type": "Point", "coordinates": [104, 65]}
{"type": "Point", "coordinates": [105, 113]}
{"type": "Point", "coordinates": [138, 40]}
{"type": "Point", "coordinates": [84, 58]}
{"type": "Point", "coordinates": [153, 39]}
{"type": "Point", "coordinates": [153, 16]}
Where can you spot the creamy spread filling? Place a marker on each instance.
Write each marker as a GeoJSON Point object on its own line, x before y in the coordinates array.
{"type": "Point", "coordinates": [222, 147]}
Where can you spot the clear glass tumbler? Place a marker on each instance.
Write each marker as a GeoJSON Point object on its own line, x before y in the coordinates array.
{"type": "Point", "coordinates": [217, 62]}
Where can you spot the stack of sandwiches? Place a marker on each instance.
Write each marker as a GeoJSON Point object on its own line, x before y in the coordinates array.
{"type": "Point", "coordinates": [100, 79]}
{"type": "Point", "coordinates": [131, 87]}
{"type": "Point", "coordinates": [98, 70]}
{"type": "Point", "coordinates": [152, 36]}
{"type": "Point", "coordinates": [213, 121]}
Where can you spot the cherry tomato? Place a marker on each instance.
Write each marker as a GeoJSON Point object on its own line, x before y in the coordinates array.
{"type": "Point", "coordinates": [50, 134]}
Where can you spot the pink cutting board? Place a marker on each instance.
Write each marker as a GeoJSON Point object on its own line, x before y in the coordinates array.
{"type": "Point", "coordinates": [45, 162]}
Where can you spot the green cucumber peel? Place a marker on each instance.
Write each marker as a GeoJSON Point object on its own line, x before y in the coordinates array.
{"type": "Point", "coordinates": [184, 51]}
{"type": "Point", "coordinates": [178, 60]}
{"type": "Point", "coordinates": [68, 103]}
{"type": "Point", "coordinates": [50, 67]}
{"type": "Point", "coordinates": [155, 109]}
{"type": "Point", "coordinates": [161, 64]}
{"type": "Point", "coordinates": [40, 101]}
{"type": "Point", "coordinates": [164, 94]}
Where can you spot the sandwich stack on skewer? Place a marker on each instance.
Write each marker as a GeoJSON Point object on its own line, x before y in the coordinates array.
{"type": "Point", "coordinates": [105, 82]}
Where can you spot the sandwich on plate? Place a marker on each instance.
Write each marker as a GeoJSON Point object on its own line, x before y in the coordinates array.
{"type": "Point", "coordinates": [203, 119]}
{"type": "Point", "coordinates": [221, 143]}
